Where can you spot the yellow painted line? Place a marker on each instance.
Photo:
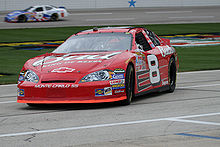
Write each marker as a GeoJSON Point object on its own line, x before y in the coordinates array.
{"type": "Point", "coordinates": [28, 43]}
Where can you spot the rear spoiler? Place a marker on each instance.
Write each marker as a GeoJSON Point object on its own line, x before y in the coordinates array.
{"type": "Point", "coordinates": [62, 7]}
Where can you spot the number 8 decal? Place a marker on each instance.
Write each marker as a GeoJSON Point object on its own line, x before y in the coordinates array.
{"type": "Point", "coordinates": [154, 69]}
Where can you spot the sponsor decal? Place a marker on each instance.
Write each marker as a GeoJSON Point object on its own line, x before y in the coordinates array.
{"type": "Point", "coordinates": [56, 86]}
{"type": "Point", "coordinates": [140, 61]}
{"type": "Point", "coordinates": [166, 50]}
{"type": "Point", "coordinates": [21, 78]}
{"type": "Point", "coordinates": [119, 91]}
{"type": "Point", "coordinates": [20, 92]}
{"type": "Point", "coordinates": [118, 76]}
{"type": "Point", "coordinates": [99, 92]}
{"type": "Point", "coordinates": [69, 57]}
{"type": "Point", "coordinates": [118, 86]}
{"type": "Point", "coordinates": [115, 82]}
{"type": "Point", "coordinates": [103, 91]}
{"type": "Point", "coordinates": [108, 91]}
{"type": "Point", "coordinates": [63, 70]}
{"type": "Point", "coordinates": [119, 71]}
{"type": "Point", "coordinates": [165, 81]}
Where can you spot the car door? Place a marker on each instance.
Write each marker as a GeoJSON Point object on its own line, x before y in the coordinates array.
{"type": "Point", "coordinates": [159, 49]}
{"type": "Point", "coordinates": [148, 77]}
{"type": "Point", "coordinates": [49, 10]}
{"type": "Point", "coordinates": [39, 13]}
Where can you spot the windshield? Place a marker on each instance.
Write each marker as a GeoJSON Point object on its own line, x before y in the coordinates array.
{"type": "Point", "coordinates": [96, 42]}
{"type": "Point", "coordinates": [28, 9]}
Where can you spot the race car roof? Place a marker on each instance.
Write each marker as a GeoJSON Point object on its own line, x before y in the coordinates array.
{"type": "Point", "coordinates": [107, 29]}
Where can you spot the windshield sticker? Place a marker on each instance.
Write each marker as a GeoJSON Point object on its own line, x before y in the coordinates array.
{"type": "Point", "coordinates": [54, 59]}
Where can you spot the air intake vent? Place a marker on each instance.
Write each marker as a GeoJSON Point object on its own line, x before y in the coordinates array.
{"type": "Point", "coordinates": [58, 81]}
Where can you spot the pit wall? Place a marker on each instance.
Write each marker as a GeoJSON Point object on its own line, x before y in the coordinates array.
{"type": "Point", "coordinates": [6, 5]}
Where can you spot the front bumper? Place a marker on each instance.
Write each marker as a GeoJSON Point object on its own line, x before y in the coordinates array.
{"type": "Point", "coordinates": [49, 93]}
{"type": "Point", "coordinates": [8, 19]}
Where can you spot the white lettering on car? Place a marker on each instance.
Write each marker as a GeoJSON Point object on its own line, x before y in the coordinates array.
{"type": "Point", "coordinates": [166, 50]}
{"type": "Point", "coordinates": [56, 86]}
{"type": "Point", "coordinates": [53, 59]}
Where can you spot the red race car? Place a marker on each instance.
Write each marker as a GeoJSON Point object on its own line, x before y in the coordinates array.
{"type": "Point", "coordinates": [100, 65]}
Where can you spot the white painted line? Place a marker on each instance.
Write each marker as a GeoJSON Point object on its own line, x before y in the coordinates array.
{"type": "Point", "coordinates": [105, 125]}
{"type": "Point", "coordinates": [195, 121]}
{"type": "Point", "coordinates": [196, 72]}
{"type": "Point", "coordinates": [110, 19]}
{"type": "Point", "coordinates": [168, 12]}
{"type": "Point", "coordinates": [91, 14]}
{"type": "Point", "coordinates": [182, 17]}
{"type": "Point", "coordinates": [7, 102]}
{"type": "Point", "coordinates": [8, 85]}
{"type": "Point", "coordinates": [198, 115]}
{"type": "Point", "coordinates": [197, 86]}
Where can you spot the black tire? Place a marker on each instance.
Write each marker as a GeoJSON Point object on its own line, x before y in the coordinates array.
{"type": "Point", "coordinates": [129, 85]}
{"type": "Point", "coordinates": [32, 105]}
{"type": "Point", "coordinates": [54, 17]}
{"type": "Point", "coordinates": [22, 18]}
{"type": "Point", "coordinates": [172, 75]}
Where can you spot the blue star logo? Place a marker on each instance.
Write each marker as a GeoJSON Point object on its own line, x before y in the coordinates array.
{"type": "Point", "coordinates": [132, 3]}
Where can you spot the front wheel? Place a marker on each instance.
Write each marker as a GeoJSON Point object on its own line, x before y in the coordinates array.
{"type": "Point", "coordinates": [129, 85]}
{"type": "Point", "coordinates": [172, 75]}
{"type": "Point", "coordinates": [22, 18]}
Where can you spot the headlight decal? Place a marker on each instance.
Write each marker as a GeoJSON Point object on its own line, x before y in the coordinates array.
{"type": "Point", "coordinates": [101, 75]}
{"type": "Point", "coordinates": [28, 75]}
{"type": "Point", "coordinates": [104, 75]}
{"type": "Point", "coordinates": [31, 76]}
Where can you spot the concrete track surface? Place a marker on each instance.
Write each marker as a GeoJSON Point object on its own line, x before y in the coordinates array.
{"type": "Point", "coordinates": [127, 16]}
{"type": "Point", "coordinates": [188, 117]}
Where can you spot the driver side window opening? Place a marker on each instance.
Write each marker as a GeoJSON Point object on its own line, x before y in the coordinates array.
{"type": "Point", "coordinates": [153, 37]}
{"type": "Point", "coordinates": [39, 9]}
{"type": "Point", "coordinates": [48, 8]}
{"type": "Point", "coordinates": [141, 41]}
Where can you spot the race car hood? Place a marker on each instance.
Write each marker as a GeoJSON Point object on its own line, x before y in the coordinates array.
{"type": "Point", "coordinates": [15, 13]}
{"type": "Point", "coordinates": [51, 65]}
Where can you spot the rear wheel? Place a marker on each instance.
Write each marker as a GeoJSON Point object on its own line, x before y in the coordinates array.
{"type": "Point", "coordinates": [22, 18]}
{"type": "Point", "coordinates": [172, 75]}
{"type": "Point", "coordinates": [129, 85]}
{"type": "Point", "coordinates": [54, 17]}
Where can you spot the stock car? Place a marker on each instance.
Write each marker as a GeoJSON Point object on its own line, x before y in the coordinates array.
{"type": "Point", "coordinates": [100, 65]}
{"type": "Point", "coordinates": [37, 13]}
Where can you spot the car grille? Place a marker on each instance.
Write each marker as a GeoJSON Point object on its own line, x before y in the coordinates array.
{"type": "Point", "coordinates": [58, 81]}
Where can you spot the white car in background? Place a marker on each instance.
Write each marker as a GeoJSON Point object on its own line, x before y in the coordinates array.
{"type": "Point", "coordinates": [37, 13]}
